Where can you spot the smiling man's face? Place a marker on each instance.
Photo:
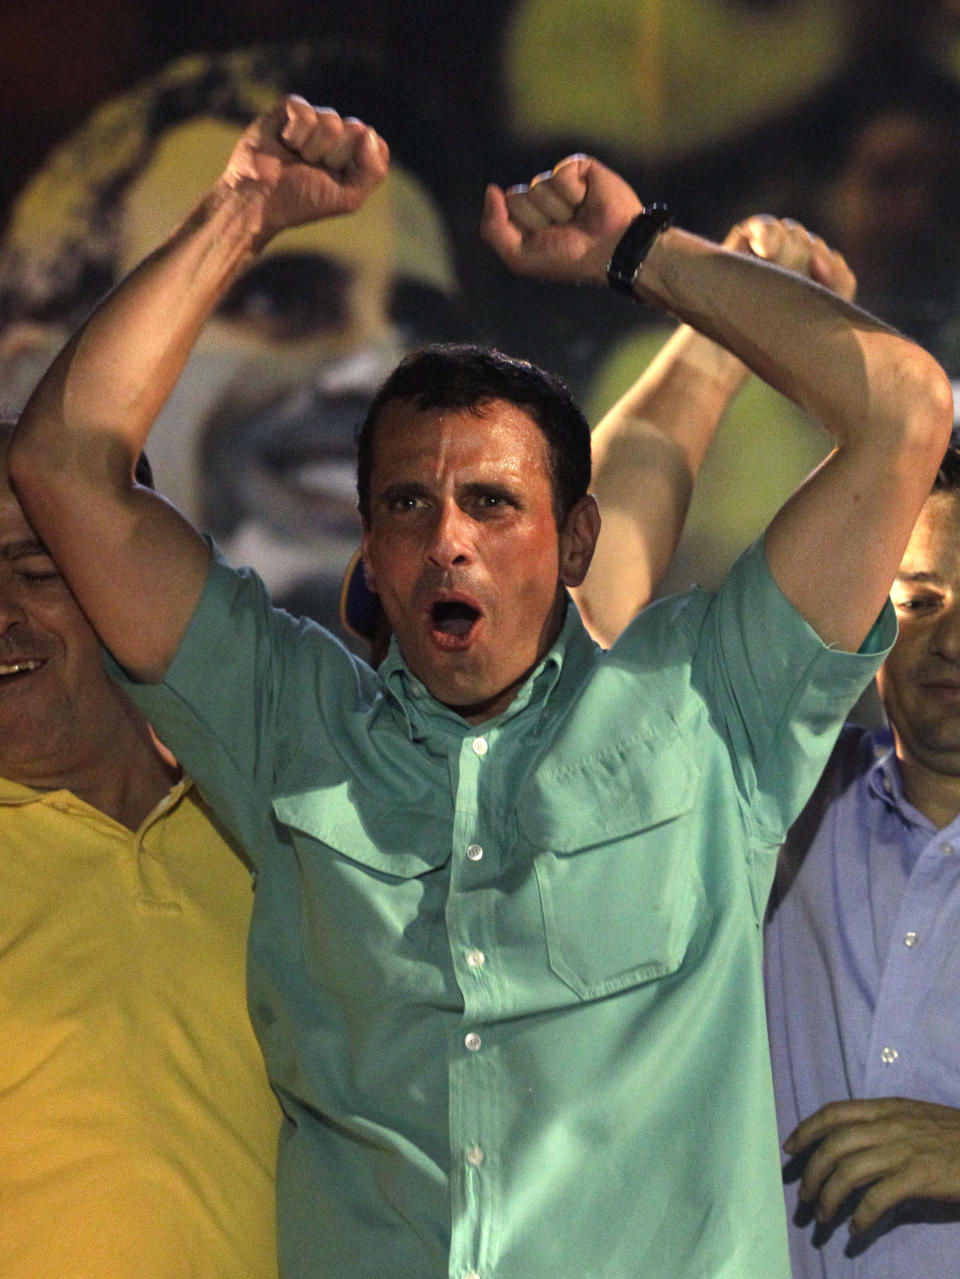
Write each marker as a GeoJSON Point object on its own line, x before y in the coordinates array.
{"type": "Point", "coordinates": [920, 680]}
{"type": "Point", "coordinates": [463, 548]}
{"type": "Point", "coordinates": [53, 687]}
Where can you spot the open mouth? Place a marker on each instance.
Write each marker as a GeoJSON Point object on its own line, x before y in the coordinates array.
{"type": "Point", "coordinates": [10, 671]}
{"type": "Point", "coordinates": [453, 620]}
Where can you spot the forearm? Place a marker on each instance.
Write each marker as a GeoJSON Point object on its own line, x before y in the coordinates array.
{"type": "Point", "coordinates": [861, 381]}
{"type": "Point", "coordinates": [834, 547]}
{"type": "Point", "coordinates": [294, 164]}
{"type": "Point", "coordinates": [73, 455]}
{"type": "Point", "coordinates": [647, 453]}
{"type": "Point", "coordinates": [681, 397]}
{"type": "Point", "coordinates": [136, 566]}
{"type": "Point", "coordinates": [102, 394]}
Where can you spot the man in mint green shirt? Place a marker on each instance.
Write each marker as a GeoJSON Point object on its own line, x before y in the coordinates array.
{"type": "Point", "coordinates": [504, 960]}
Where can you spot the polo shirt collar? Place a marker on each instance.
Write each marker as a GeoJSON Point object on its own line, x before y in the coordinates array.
{"type": "Point", "coordinates": [16, 793]}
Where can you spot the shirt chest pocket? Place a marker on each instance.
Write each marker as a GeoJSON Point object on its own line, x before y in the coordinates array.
{"type": "Point", "coordinates": [371, 892]}
{"type": "Point", "coordinates": [621, 894]}
{"type": "Point", "coordinates": [389, 839]}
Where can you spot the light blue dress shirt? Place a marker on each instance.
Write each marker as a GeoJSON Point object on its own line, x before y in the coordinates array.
{"type": "Point", "coordinates": [862, 971]}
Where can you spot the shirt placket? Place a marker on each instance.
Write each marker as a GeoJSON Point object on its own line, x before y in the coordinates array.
{"type": "Point", "coordinates": [895, 1059]}
{"type": "Point", "coordinates": [472, 1048]}
{"type": "Point", "coordinates": [912, 961]}
{"type": "Point", "coordinates": [158, 890]}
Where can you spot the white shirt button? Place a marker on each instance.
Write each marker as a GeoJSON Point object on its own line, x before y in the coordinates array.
{"type": "Point", "coordinates": [946, 848]}
{"type": "Point", "coordinates": [474, 852]}
{"type": "Point", "coordinates": [479, 746]}
{"type": "Point", "coordinates": [910, 939]}
{"type": "Point", "coordinates": [474, 1156]}
{"type": "Point", "coordinates": [476, 959]}
{"type": "Point", "coordinates": [472, 1042]}
{"type": "Point", "coordinates": [889, 1056]}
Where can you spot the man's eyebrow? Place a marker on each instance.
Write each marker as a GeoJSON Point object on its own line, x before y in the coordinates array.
{"type": "Point", "coordinates": [919, 577]}
{"type": "Point", "coordinates": [23, 549]}
{"type": "Point", "coordinates": [489, 486]}
{"type": "Point", "coordinates": [403, 488]}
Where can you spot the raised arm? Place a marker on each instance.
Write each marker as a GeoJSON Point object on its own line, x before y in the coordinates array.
{"type": "Point", "coordinates": [136, 566]}
{"type": "Point", "coordinates": [836, 544]}
{"type": "Point", "coordinates": [648, 449]}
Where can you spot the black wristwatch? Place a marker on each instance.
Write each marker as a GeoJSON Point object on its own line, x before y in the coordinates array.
{"type": "Point", "coordinates": [635, 243]}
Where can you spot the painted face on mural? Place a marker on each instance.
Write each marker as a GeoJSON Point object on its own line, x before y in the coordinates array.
{"type": "Point", "coordinates": [256, 443]}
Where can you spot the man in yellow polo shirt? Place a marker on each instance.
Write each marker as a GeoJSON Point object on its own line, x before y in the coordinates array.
{"type": "Point", "coordinates": [137, 1128]}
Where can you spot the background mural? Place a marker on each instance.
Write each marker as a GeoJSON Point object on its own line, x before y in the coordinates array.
{"type": "Point", "coordinates": [844, 115]}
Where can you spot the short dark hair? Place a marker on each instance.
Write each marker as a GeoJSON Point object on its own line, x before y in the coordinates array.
{"type": "Point", "coordinates": [465, 376]}
{"type": "Point", "coordinates": [948, 476]}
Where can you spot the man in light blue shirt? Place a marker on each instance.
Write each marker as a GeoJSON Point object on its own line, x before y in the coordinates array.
{"type": "Point", "coordinates": [505, 953]}
{"type": "Point", "coordinates": [861, 954]}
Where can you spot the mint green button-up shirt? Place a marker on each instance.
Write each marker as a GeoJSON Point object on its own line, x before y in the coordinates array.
{"type": "Point", "coordinates": [506, 977]}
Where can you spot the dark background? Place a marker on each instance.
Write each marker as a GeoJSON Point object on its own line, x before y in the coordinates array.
{"type": "Point", "coordinates": [59, 58]}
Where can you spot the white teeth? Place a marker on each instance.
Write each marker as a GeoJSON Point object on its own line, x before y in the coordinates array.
{"type": "Point", "coordinates": [14, 668]}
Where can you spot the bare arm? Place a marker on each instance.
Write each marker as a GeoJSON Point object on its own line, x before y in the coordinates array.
{"type": "Point", "coordinates": [648, 449]}
{"type": "Point", "coordinates": [835, 546]}
{"type": "Point", "coordinates": [136, 566]}
{"type": "Point", "coordinates": [892, 1148]}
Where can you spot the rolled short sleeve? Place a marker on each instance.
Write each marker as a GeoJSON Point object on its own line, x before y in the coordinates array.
{"type": "Point", "coordinates": [237, 685]}
{"type": "Point", "coordinates": [781, 694]}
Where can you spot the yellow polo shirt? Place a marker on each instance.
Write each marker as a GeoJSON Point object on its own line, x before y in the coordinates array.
{"type": "Point", "coordinates": [137, 1129]}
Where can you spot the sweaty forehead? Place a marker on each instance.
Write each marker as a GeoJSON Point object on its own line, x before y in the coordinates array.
{"type": "Point", "coordinates": [13, 522]}
{"type": "Point", "coordinates": [496, 436]}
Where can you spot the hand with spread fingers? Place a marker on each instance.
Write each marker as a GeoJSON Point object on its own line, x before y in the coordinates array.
{"type": "Point", "coordinates": [305, 163]}
{"type": "Point", "coordinates": [892, 1148]}
{"type": "Point", "coordinates": [564, 225]}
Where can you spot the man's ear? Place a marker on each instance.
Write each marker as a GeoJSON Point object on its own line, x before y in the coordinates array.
{"type": "Point", "coordinates": [368, 573]}
{"type": "Point", "coordinates": [578, 540]}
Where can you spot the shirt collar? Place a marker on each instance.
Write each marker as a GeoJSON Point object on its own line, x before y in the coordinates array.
{"type": "Point", "coordinates": [568, 656]}
{"type": "Point", "coordinates": [13, 793]}
{"type": "Point", "coordinates": [884, 775]}
{"type": "Point", "coordinates": [886, 783]}
{"type": "Point", "coordinates": [16, 793]}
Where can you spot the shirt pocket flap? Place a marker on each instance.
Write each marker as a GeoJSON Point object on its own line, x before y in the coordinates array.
{"type": "Point", "coordinates": [633, 786]}
{"type": "Point", "coordinates": [392, 840]}
{"type": "Point", "coordinates": [622, 897]}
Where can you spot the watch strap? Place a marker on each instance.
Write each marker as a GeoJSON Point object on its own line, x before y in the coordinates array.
{"type": "Point", "coordinates": [634, 245]}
